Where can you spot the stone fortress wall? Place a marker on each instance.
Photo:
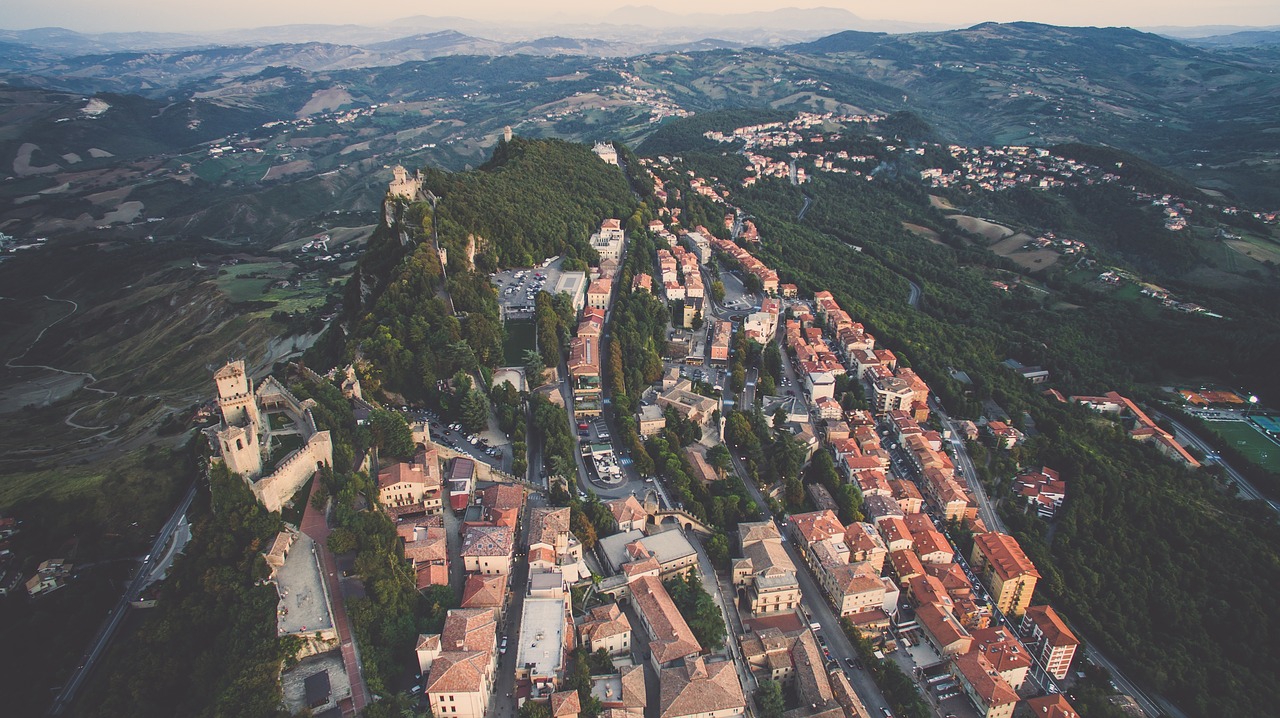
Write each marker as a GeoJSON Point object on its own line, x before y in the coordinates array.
{"type": "Point", "coordinates": [244, 438]}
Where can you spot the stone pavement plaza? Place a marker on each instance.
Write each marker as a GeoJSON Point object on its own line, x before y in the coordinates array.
{"type": "Point", "coordinates": [303, 606]}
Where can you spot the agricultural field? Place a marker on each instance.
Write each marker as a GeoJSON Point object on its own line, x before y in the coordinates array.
{"type": "Point", "coordinates": [989, 231]}
{"type": "Point", "coordinates": [1249, 441]}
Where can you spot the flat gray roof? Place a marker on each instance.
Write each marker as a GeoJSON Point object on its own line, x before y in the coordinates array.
{"type": "Point", "coordinates": [542, 636]}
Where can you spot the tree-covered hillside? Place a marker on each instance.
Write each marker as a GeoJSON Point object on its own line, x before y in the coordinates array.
{"type": "Point", "coordinates": [534, 199]}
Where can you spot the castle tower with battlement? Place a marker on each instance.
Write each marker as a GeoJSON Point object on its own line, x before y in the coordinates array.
{"type": "Point", "coordinates": [403, 184]}
{"type": "Point", "coordinates": [254, 421]}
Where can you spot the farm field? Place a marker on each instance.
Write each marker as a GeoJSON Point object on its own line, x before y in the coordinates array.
{"type": "Point", "coordinates": [989, 231]}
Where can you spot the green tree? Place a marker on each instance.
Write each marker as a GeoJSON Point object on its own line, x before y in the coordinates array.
{"type": "Point", "coordinates": [717, 290]}
{"type": "Point", "coordinates": [342, 540]}
{"type": "Point", "coordinates": [769, 699]}
{"type": "Point", "coordinates": [534, 367]}
{"type": "Point", "coordinates": [475, 411]}
{"type": "Point", "coordinates": [698, 608]}
{"type": "Point", "coordinates": [391, 434]}
{"type": "Point", "coordinates": [718, 550]}
{"type": "Point", "coordinates": [535, 709]}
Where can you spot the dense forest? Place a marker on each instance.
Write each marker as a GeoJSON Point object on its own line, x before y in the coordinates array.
{"type": "Point", "coordinates": [1160, 566]}
{"type": "Point", "coordinates": [210, 647]}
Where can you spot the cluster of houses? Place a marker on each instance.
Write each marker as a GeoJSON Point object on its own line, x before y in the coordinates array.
{"type": "Point", "coordinates": [781, 135]}
{"type": "Point", "coordinates": [865, 569]}
{"type": "Point", "coordinates": [1143, 427]}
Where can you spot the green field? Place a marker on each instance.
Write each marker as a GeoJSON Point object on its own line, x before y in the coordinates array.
{"type": "Point", "coordinates": [520, 337]}
{"type": "Point", "coordinates": [1250, 442]}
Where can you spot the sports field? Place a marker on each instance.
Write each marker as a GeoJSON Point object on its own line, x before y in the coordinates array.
{"type": "Point", "coordinates": [1249, 441]}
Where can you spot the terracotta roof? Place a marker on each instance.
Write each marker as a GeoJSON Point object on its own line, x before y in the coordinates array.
{"type": "Point", "coordinates": [817, 525]}
{"type": "Point", "coordinates": [753, 531]}
{"type": "Point", "coordinates": [457, 672]}
{"type": "Point", "coordinates": [856, 578]}
{"type": "Point", "coordinates": [483, 591]}
{"type": "Point", "coordinates": [546, 525]}
{"type": "Point", "coordinates": [502, 496]}
{"type": "Point", "coordinates": [487, 541]}
{"type": "Point", "coordinates": [993, 690]}
{"type": "Point", "coordinates": [906, 563]}
{"type": "Point", "coordinates": [565, 703]}
{"type": "Point", "coordinates": [671, 638]}
{"type": "Point", "coordinates": [810, 680]}
{"type": "Point", "coordinates": [944, 628]}
{"type": "Point", "coordinates": [1001, 649]}
{"type": "Point", "coordinates": [1005, 555]}
{"type": "Point", "coordinates": [1055, 630]}
{"type": "Point", "coordinates": [432, 547]}
{"type": "Point", "coordinates": [627, 509]}
{"type": "Point", "coordinates": [932, 541]}
{"type": "Point", "coordinates": [1051, 706]}
{"type": "Point", "coordinates": [634, 692]}
{"type": "Point", "coordinates": [699, 687]}
{"type": "Point", "coordinates": [604, 621]}
{"type": "Point", "coordinates": [469, 629]}
{"type": "Point", "coordinates": [862, 537]}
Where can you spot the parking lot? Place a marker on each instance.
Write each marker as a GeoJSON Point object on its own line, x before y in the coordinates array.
{"type": "Point", "coordinates": [517, 288]}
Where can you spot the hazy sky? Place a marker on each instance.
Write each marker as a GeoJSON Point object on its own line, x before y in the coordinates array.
{"type": "Point", "coordinates": [185, 15]}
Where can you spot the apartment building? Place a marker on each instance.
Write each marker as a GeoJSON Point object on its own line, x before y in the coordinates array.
{"type": "Point", "coordinates": [999, 561]}
{"type": "Point", "coordinates": [1049, 637]}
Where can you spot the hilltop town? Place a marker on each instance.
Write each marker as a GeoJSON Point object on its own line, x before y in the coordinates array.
{"type": "Point", "coordinates": [580, 593]}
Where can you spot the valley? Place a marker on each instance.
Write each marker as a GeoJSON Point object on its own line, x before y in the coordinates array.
{"type": "Point", "coordinates": [1097, 204]}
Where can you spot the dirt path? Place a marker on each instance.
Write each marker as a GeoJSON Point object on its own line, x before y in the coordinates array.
{"type": "Point", "coordinates": [88, 386]}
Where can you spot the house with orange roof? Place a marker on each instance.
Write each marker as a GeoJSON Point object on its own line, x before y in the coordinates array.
{"type": "Point", "coordinates": [1005, 654]}
{"type": "Point", "coordinates": [1048, 635]}
{"type": "Point", "coordinates": [992, 695]}
{"type": "Point", "coordinates": [1053, 705]}
{"type": "Point", "coordinates": [671, 639]}
{"type": "Point", "coordinates": [413, 484]}
{"type": "Point", "coordinates": [942, 630]}
{"type": "Point", "coordinates": [701, 689]}
{"type": "Point", "coordinates": [1000, 562]}
{"type": "Point", "coordinates": [606, 627]}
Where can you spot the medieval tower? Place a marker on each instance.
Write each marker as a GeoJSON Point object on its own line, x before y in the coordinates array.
{"type": "Point", "coordinates": [239, 439]}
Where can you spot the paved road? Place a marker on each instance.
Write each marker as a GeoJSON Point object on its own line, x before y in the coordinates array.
{"type": "Point", "coordinates": [965, 466]}
{"type": "Point", "coordinates": [140, 580]}
{"type": "Point", "coordinates": [914, 297]}
{"type": "Point", "coordinates": [807, 204]}
{"type": "Point", "coordinates": [1187, 437]}
{"type": "Point", "coordinates": [816, 605]}
{"type": "Point", "coordinates": [1153, 706]}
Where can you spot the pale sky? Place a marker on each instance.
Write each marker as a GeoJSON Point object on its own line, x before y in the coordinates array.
{"type": "Point", "coordinates": [185, 15]}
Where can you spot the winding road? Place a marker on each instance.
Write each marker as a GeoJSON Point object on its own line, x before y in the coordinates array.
{"type": "Point", "coordinates": [87, 386]}
{"type": "Point", "coordinates": [914, 297]}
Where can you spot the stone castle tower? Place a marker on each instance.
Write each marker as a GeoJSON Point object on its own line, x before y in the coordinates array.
{"type": "Point", "coordinates": [404, 184]}
{"type": "Point", "coordinates": [239, 440]}
{"type": "Point", "coordinates": [506, 133]}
